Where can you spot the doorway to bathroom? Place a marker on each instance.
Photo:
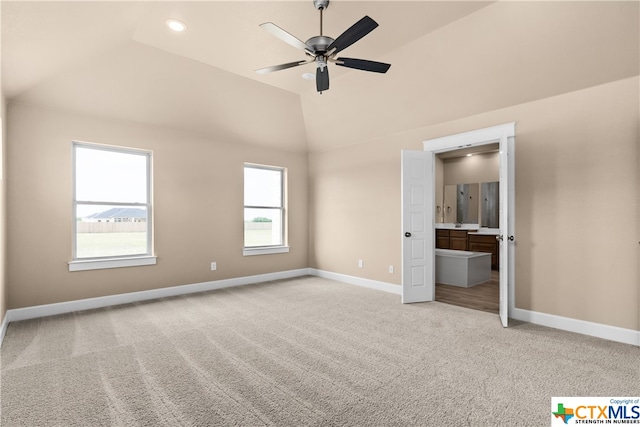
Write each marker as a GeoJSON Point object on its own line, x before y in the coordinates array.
{"type": "Point", "coordinates": [467, 213]}
{"type": "Point", "coordinates": [418, 193]}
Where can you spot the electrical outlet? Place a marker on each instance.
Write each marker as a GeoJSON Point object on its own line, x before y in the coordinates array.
{"type": "Point", "coordinates": [214, 266]}
{"type": "Point", "coordinates": [391, 269]}
{"type": "Point", "coordinates": [360, 263]}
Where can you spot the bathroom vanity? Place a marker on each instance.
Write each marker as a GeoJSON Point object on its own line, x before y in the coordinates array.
{"type": "Point", "coordinates": [469, 237]}
{"type": "Point", "coordinates": [451, 239]}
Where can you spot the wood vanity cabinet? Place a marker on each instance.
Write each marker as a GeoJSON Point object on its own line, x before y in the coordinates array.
{"type": "Point", "coordinates": [485, 243]}
{"type": "Point", "coordinates": [451, 239]}
{"type": "Point", "coordinates": [458, 240]}
{"type": "Point", "coordinates": [442, 239]}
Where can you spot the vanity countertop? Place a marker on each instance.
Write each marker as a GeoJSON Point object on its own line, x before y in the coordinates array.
{"type": "Point", "coordinates": [487, 231]}
{"type": "Point", "coordinates": [452, 226]}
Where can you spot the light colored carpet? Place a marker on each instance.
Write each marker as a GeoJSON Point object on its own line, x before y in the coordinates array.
{"type": "Point", "coordinates": [298, 352]}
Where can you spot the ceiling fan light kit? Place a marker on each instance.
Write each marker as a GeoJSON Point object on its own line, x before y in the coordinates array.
{"type": "Point", "coordinates": [323, 49]}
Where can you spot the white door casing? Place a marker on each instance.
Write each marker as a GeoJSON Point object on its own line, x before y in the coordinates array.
{"type": "Point", "coordinates": [418, 272]}
{"type": "Point", "coordinates": [505, 136]}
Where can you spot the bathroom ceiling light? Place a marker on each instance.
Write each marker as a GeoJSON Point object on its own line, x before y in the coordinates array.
{"type": "Point", "coordinates": [176, 25]}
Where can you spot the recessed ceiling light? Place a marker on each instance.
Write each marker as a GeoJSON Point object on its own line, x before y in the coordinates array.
{"type": "Point", "coordinates": [176, 25]}
{"type": "Point", "coordinates": [469, 155]}
{"type": "Point", "coordinates": [308, 76]}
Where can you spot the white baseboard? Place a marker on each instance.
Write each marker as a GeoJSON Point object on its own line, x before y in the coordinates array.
{"type": "Point", "coordinates": [110, 300]}
{"type": "Point", "coordinates": [612, 333]}
{"type": "Point", "coordinates": [358, 281]}
{"type": "Point", "coordinates": [3, 328]}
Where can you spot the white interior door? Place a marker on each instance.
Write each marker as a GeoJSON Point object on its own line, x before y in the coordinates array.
{"type": "Point", "coordinates": [506, 226]}
{"type": "Point", "coordinates": [418, 259]}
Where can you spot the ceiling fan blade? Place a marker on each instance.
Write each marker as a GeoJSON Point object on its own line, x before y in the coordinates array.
{"type": "Point", "coordinates": [322, 79]}
{"type": "Point", "coordinates": [281, 67]}
{"type": "Point", "coordinates": [363, 64]}
{"type": "Point", "coordinates": [352, 35]}
{"type": "Point", "coordinates": [286, 37]}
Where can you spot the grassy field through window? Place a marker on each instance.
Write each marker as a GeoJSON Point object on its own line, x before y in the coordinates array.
{"type": "Point", "coordinates": [258, 238]}
{"type": "Point", "coordinates": [91, 245]}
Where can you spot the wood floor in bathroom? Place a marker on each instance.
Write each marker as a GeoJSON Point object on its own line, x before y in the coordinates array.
{"type": "Point", "coordinates": [484, 297]}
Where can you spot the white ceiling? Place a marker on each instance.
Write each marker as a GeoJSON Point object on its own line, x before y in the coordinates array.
{"type": "Point", "coordinates": [449, 59]}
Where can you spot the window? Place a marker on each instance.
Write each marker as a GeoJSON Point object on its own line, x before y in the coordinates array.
{"type": "Point", "coordinates": [264, 210]}
{"type": "Point", "coordinates": [111, 207]}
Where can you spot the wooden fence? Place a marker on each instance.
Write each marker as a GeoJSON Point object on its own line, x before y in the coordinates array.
{"type": "Point", "coordinates": [110, 227]}
{"type": "Point", "coordinates": [249, 225]}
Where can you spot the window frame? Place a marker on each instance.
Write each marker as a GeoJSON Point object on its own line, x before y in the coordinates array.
{"type": "Point", "coordinates": [112, 261]}
{"type": "Point", "coordinates": [268, 249]}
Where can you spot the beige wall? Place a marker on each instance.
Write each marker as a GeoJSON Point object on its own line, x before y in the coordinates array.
{"type": "Point", "coordinates": [575, 154]}
{"type": "Point", "coordinates": [198, 202]}
{"type": "Point", "coordinates": [3, 204]}
{"type": "Point", "coordinates": [474, 169]}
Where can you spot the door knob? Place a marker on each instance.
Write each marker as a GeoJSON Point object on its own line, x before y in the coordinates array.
{"type": "Point", "coordinates": [407, 234]}
{"type": "Point", "coordinates": [499, 237]}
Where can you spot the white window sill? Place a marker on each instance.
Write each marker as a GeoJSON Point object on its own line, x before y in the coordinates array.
{"type": "Point", "coordinates": [98, 264]}
{"type": "Point", "coordinates": [265, 251]}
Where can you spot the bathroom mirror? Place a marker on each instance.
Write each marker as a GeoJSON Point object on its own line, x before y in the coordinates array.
{"type": "Point", "coordinates": [472, 168]}
{"type": "Point", "coordinates": [461, 203]}
{"type": "Point", "coordinates": [490, 204]}
{"type": "Point", "coordinates": [467, 196]}
{"type": "Point", "coordinates": [470, 204]}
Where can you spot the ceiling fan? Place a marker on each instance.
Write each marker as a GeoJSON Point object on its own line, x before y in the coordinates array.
{"type": "Point", "coordinates": [323, 49]}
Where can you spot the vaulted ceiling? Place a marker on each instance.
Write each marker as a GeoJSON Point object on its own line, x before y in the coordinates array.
{"type": "Point", "coordinates": [449, 59]}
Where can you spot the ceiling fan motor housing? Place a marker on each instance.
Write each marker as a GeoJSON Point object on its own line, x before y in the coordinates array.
{"type": "Point", "coordinates": [319, 43]}
{"type": "Point", "coordinates": [321, 4]}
